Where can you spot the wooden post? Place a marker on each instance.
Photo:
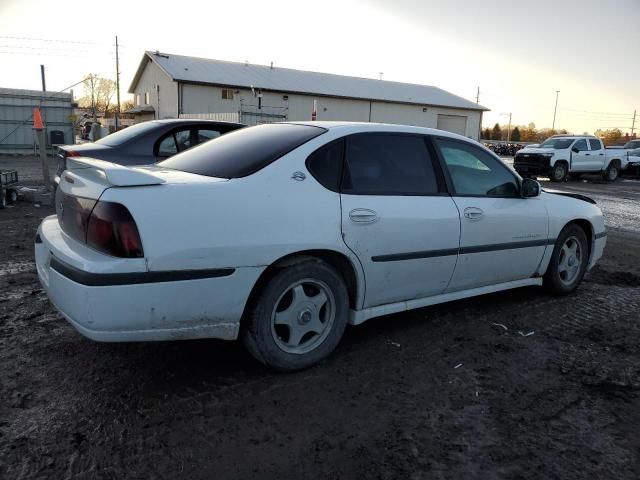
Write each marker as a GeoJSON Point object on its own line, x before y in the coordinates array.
{"type": "Point", "coordinates": [41, 134]}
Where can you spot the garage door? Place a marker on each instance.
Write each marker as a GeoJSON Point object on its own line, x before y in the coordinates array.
{"type": "Point", "coordinates": [453, 123]}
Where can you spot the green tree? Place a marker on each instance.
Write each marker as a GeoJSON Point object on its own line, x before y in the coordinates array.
{"type": "Point", "coordinates": [496, 133]}
{"type": "Point", "coordinates": [486, 134]}
{"type": "Point", "coordinates": [515, 134]}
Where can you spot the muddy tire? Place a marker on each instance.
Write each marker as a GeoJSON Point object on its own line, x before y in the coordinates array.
{"type": "Point", "coordinates": [568, 262]}
{"type": "Point", "coordinates": [299, 317]}
{"type": "Point", "coordinates": [12, 196]}
{"type": "Point", "coordinates": [612, 172]}
{"type": "Point", "coordinates": [559, 172]}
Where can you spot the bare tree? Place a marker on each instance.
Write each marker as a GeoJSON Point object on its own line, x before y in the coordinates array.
{"type": "Point", "coordinates": [98, 93]}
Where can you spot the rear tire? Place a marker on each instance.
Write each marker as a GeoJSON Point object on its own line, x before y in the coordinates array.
{"type": "Point", "coordinates": [612, 172]}
{"type": "Point", "coordinates": [568, 262]}
{"type": "Point", "coordinates": [12, 197]}
{"type": "Point", "coordinates": [3, 199]}
{"type": "Point", "coordinates": [559, 172]}
{"type": "Point", "coordinates": [299, 317]}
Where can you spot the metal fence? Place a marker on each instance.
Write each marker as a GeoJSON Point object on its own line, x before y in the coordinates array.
{"type": "Point", "coordinates": [257, 114]}
{"type": "Point", "coordinates": [219, 117]}
{"type": "Point", "coordinates": [16, 119]}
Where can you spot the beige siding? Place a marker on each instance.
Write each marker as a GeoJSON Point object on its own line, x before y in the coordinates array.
{"type": "Point", "coordinates": [208, 99]}
{"type": "Point", "coordinates": [151, 77]}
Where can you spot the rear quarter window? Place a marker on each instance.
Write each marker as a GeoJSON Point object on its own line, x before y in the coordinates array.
{"type": "Point", "coordinates": [243, 152]}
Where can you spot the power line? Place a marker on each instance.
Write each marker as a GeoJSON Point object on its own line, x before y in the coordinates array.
{"type": "Point", "coordinates": [15, 37]}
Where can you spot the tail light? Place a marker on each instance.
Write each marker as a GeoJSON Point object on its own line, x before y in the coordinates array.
{"type": "Point", "coordinates": [72, 153]}
{"type": "Point", "coordinates": [112, 230]}
{"type": "Point", "coordinates": [105, 226]}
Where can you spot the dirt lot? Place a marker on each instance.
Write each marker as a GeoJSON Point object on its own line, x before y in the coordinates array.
{"type": "Point", "coordinates": [442, 392]}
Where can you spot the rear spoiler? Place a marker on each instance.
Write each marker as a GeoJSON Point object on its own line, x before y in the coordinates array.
{"type": "Point", "coordinates": [116, 175]}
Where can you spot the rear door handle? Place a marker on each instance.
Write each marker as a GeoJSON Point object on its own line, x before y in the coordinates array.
{"type": "Point", "coordinates": [587, 154]}
{"type": "Point", "coordinates": [363, 215]}
{"type": "Point", "coordinates": [473, 213]}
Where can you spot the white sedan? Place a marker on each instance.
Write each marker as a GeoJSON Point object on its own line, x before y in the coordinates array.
{"type": "Point", "coordinates": [282, 234]}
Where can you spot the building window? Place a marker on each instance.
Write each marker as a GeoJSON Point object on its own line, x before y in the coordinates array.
{"type": "Point", "coordinates": [138, 100]}
{"type": "Point", "coordinates": [146, 98]}
{"type": "Point", "coordinates": [227, 93]}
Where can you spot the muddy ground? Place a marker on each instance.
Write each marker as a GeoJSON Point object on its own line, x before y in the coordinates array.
{"type": "Point", "coordinates": [442, 392]}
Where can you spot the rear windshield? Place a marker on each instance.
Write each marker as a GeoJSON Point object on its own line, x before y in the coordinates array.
{"type": "Point", "coordinates": [242, 152]}
{"type": "Point", "coordinates": [122, 136]}
{"type": "Point", "coordinates": [633, 144]}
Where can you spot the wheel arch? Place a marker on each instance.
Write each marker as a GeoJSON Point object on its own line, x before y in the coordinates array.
{"type": "Point", "coordinates": [588, 229]}
{"type": "Point", "coordinates": [345, 266]}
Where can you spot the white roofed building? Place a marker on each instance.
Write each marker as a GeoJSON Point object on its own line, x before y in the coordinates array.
{"type": "Point", "coordinates": [172, 86]}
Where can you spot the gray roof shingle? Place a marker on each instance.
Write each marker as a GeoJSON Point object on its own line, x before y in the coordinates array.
{"type": "Point", "coordinates": [233, 74]}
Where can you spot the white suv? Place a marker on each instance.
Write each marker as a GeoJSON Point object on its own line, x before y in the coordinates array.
{"type": "Point", "coordinates": [282, 234]}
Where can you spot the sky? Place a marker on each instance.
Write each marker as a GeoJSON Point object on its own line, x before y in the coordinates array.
{"type": "Point", "coordinates": [518, 53]}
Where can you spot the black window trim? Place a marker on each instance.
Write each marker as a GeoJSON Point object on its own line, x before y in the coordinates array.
{"type": "Point", "coordinates": [321, 147]}
{"type": "Point", "coordinates": [440, 180]}
{"type": "Point", "coordinates": [449, 181]}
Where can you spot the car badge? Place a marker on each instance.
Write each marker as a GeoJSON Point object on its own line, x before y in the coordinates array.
{"type": "Point", "coordinates": [298, 176]}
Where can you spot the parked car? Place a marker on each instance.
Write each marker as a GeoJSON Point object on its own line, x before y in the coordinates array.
{"type": "Point", "coordinates": [561, 156]}
{"type": "Point", "coordinates": [147, 142]}
{"type": "Point", "coordinates": [281, 234]}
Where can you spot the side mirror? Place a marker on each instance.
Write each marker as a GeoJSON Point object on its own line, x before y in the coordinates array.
{"type": "Point", "coordinates": [575, 150]}
{"type": "Point", "coordinates": [529, 188]}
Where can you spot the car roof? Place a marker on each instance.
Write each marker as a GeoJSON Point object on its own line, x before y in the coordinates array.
{"type": "Point", "coordinates": [180, 121]}
{"type": "Point", "coordinates": [363, 127]}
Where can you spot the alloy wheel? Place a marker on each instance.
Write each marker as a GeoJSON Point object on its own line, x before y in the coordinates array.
{"type": "Point", "coordinates": [303, 316]}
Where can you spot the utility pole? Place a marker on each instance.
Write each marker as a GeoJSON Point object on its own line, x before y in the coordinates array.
{"type": "Point", "coordinates": [478, 95]}
{"type": "Point", "coordinates": [44, 83]}
{"type": "Point", "coordinates": [553, 126]}
{"type": "Point", "coordinates": [509, 129]}
{"type": "Point", "coordinates": [633, 124]}
{"type": "Point", "coordinates": [117, 118]}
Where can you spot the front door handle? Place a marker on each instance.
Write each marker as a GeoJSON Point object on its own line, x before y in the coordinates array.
{"type": "Point", "coordinates": [587, 154]}
{"type": "Point", "coordinates": [473, 213]}
{"type": "Point", "coordinates": [363, 215]}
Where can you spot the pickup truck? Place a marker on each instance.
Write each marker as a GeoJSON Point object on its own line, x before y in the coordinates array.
{"type": "Point", "coordinates": [563, 156]}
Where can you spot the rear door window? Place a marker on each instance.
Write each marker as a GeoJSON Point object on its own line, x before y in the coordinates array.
{"type": "Point", "coordinates": [325, 164]}
{"type": "Point", "coordinates": [167, 146]}
{"type": "Point", "coordinates": [388, 164]}
{"type": "Point", "coordinates": [595, 144]}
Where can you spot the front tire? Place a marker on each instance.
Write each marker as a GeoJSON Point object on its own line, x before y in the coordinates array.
{"type": "Point", "coordinates": [299, 317]}
{"type": "Point", "coordinates": [568, 262]}
{"type": "Point", "coordinates": [559, 172]}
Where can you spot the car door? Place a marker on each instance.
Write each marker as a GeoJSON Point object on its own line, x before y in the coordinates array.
{"type": "Point", "coordinates": [581, 157]}
{"type": "Point", "coordinates": [597, 153]}
{"type": "Point", "coordinates": [397, 217]}
{"type": "Point", "coordinates": [502, 236]}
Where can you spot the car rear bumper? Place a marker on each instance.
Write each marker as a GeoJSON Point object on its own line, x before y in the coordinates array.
{"type": "Point", "coordinates": [106, 303]}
